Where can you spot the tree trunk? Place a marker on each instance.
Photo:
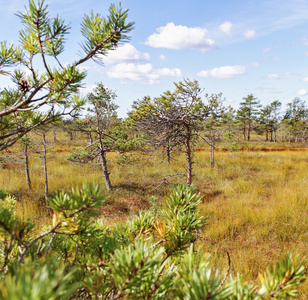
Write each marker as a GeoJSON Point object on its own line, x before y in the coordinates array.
{"type": "Point", "coordinates": [271, 135]}
{"type": "Point", "coordinates": [105, 170]}
{"type": "Point", "coordinates": [168, 154]}
{"type": "Point", "coordinates": [244, 133]}
{"type": "Point", "coordinates": [212, 156]}
{"type": "Point", "coordinates": [104, 163]}
{"type": "Point", "coordinates": [55, 136]}
{"type": "Point", "coordinates": [266, 138]}
{"type": "Point", "coordinates": [45, 165]}
{"type": "Point", "coordinates": [90, 138]}
{"type": "Point", "coordinates": [27, 166]}
{"type": "Point", "coordinates": [188, 154]}
{"type": "Point", "coordinates": [304, 136]}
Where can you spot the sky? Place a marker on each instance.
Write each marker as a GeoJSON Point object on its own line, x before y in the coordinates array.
{"type": "Point", "coordinates": [233, 47]}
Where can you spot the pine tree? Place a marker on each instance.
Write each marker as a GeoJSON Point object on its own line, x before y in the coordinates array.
{"type": "Point", "coordinates": [247, 113]}
{"type": "Point", "coordinates": [173, 119]}
{"type": "Point", "coordinates": [106, 131]}
{"type": "Point", "coordinates": [296, 119]}
{"type": "Point", "coordinates": [211, 131]}
{"type": "Point", "coordinates": [54, 87]}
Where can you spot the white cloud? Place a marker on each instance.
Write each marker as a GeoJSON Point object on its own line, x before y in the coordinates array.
{"type": "Point", "coordinates": [179, 37]}
{"type": "Point", "coordinates": [162, 57]}
{"type": "Point", "coordinates": [249, 33]}
{"type": "Point", "coordinates": [280, 76]}
{"type": "Point", "coordinates": [223, 72]}
{"type": "Point", "coordinates": [169, 72]}
{"type": "Point", "coordinates": [126, 53]}
{"type": "Point", "coordinates": [151, 82]}
{"type": "Point", "coordinates": [305, 79]}
{"type": "Point", "coordinates": [302, 92]}
{"type": "Point", "coordinates": [135, 71]}
{"type": "Point", "coordinates": [273, 76]}
{"type": "Point", "coordinates": [132, 71]}
{"type": "Point", "coordinates": [226, 27]}
{"type": "Point", "coordinates": [87, 88]}
{"type": "Point", "coordinates": [266, 50]}
{"type": "Point", "coordinates": [128, 63]}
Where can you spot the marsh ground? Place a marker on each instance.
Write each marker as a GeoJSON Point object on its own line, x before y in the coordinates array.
{"type": "Point", "coordinates": [256, 201]}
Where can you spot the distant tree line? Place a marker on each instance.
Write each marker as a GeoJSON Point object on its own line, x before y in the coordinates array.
{"type": "Point", "coordinates": [175, 121]}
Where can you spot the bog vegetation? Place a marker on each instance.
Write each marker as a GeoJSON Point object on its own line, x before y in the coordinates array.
{"type": "Point", "coordinates": [183, 199]}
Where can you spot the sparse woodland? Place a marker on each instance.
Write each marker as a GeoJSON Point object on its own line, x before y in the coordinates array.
{"type": "Point", "coordinates": [186, 198]}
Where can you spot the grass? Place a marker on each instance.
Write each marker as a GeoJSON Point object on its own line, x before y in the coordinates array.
{"type": "Point", "coordinates": [258, 208]}
{"type": "Point", "coordinates": [256, 201]}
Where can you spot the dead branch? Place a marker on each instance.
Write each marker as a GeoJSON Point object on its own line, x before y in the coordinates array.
{"type": "Point", "coordinates": [229, 267]}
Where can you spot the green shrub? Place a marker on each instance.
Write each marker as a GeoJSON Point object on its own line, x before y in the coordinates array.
{"type": "Point", "coordinates": [151, 256]}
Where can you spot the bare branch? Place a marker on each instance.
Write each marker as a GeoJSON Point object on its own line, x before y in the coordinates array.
{"type": "Point", "coordinates": [167, 177]}
{"type": "Point", "coordinates": [227, 273]}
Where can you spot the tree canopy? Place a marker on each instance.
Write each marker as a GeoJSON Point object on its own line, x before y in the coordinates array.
{"type": "Point", "coordinates": [44, 88]}
{"type": "Point", "coordinates": [173, 119]}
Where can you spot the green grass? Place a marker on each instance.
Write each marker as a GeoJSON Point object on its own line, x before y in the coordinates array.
{"type": "Point", "coordinates": [256, 201]}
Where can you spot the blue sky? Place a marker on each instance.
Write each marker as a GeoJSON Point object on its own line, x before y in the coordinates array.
{"type": "Point", "coordinates": [236, 47]}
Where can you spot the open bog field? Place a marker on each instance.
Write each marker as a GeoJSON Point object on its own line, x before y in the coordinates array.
{"type": "Point", "coordinates": [256, 201]}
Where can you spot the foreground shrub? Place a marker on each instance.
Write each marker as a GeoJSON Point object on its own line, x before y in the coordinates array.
{"type": "Point", "coordinates": [151, 256]}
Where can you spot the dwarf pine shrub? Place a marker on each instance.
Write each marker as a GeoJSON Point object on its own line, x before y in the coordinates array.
{"type": "Point", "coordinates": [152, 256]}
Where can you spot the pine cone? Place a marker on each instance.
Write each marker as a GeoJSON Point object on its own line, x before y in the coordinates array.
{"type": "Point", "coordinates": [23, 86]}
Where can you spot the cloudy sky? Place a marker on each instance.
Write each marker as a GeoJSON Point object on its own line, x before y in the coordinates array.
{"type": "Point", "coordinates": [236, 47]}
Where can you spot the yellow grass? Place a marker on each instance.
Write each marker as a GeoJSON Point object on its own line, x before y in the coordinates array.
{"type": "Point", "coordinates": [258, 208]}
{"type": "Point", "coordinates": [257, 202]}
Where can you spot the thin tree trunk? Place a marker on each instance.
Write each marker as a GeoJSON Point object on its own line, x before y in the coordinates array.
{"type": "Point", "coordinates": [55, 136]}
{"type": "Point", "coordinates": [271, 135]}
{"type": "Point", "coordinates": [27, 166]}
{"type": "Point", "coordinates": [212, 156]}
{"type": "Point", "coordinates": [104, 163]}
{"type": "Point", "coordinates": [45, 165]}
{"type": "Point", "coordinates": [266, 138]}
{"type": "Point", "coordinates": [168, 154]}
{"type": "Point", "coordinates": [90, 138]}
{"type": "Point", "coordinates": [188, 154]}
{"type": "Point", "coordinates": [105, 170]}
{"type": "Point", "coordinates": [304, 136]}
